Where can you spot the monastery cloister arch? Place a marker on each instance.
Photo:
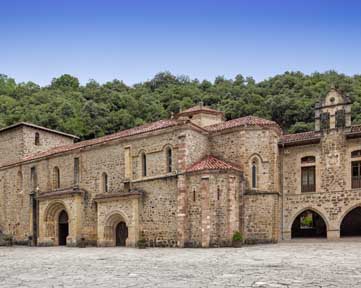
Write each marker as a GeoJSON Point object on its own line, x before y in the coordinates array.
{"type": "Point", "coordinates": [319, 224]}
{"type": "Point", "coordinates": [349, 222]}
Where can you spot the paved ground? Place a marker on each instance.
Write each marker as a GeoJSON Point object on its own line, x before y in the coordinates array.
{"type": "Point", "coordinates": [319, 264]}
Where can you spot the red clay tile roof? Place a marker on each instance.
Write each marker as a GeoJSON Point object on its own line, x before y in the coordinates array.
{"type": "Point", "coordinates": [161, 124]}
{"type": "Point", "coordinates": [212, 163]}
{"type": "Point", "coordinates": [198, 109]}
{"type": "Point", "coordinates": [300, 137]}
{"type": "Point", "coordinates": [242, 122]}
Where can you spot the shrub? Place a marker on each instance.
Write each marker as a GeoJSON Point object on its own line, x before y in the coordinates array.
{"type": "Point", "coordinates": [237, 236]}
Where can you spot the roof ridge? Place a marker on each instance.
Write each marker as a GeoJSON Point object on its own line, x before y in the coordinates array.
{"type": "Point", "coordinates": [38, 127]}
{"type": "Point", "coordinates": [248, 120]}
{"type": "Point", "coordinates": [147, 127]}
{"type": "Point", "coordinates": [210, 162]}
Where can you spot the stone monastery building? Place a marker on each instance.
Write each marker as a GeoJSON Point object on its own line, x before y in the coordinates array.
{"type": "Point", "coordinates": [189, 181]}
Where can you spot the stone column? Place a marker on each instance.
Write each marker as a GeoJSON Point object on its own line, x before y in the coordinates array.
{"type": "Point", "coordinates": [333, 234]}
{"type": "Point", "coordinates": [182, 197]}
{"type": "Point", "coordinates": [233, 207]}
{"type": "Point", "coordinates": [133, 228]}
{"type": "Point", "coordinates": [206, 217]}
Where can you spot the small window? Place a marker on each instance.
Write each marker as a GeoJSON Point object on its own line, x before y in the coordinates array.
{"type": "Point", "coordinates": [356, 154]}
{"type": "Point", "coordinates": [325, 121]}
{"type": "Point", "coordinates": [194, 195]}
{"type": "Point", "coordinates": [37, 139]}
{"type": "Point", "coordinates": [308, 179]}
{"type": "Point", "coordinates": [33, 179]}
{"type": "Point", "coordinates": [19, 181]}
{"type": "Point", "coordinates": [76, 172]}
{"type": "Point", "coordinates": [169, 159]}
{"type": "Point", "coordinates": [340, 118]}
{"type": "Point", "coordinates": [356, 174]}
{"type": "Point", "coordinates": [144, 164]}
{"type": "Point", "coordinates": [218, 193]}
{"type": "Point", "coordinates": [105, 184]}
{"type": "Point", "coordinates": [56, 178]}
{"type": "Point", "coordinates": [254, 174]}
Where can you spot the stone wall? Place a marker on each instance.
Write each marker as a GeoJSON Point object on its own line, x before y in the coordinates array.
{"type": "Point", "coordinates": [14, 204]}
{"type": "Point", "coordinates": [11, 145]}
{"type": "Point", "coordinates": [213, 210]}
{"type": "Point", "coordinates": [19, 142]}
{"type": "Point", "coordinates": [242, 146]}
{"type": "Point", "coordinates": [333, 195]}
{"type": "Point", "coordinates": [261, 218]}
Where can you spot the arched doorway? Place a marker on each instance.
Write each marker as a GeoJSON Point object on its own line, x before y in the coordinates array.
{"type": "Point", "coordinates": [309, 224]}
{"type": "Point", "coordinates": [121, 234]}
{"type": "Point", "coordinates": [63, 228]}
{"type": "Point", "coordinates": [351, 223]}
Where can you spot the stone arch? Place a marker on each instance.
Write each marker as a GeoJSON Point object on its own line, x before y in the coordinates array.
{"type": "Point", "coordinates": [316, 212]}
{"type": "Point", "coordinates": [111, 223]}
{"type": "Point", "coordinates": [51, 219]}
{"type": "Point", "coordinates": [347, 212]}
{"type": "Point", "coordinates": [255, 156]}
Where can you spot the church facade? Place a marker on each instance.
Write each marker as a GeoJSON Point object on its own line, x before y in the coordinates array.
{"type": "Point", "coordinates": [190, 181]}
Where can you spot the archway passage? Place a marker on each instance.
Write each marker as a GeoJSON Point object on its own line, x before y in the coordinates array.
{"type": "Point", "coordinates": [63, 228]}
{"type": "Point", "coordinates": [309, 224]}
{"type": "Point", "coordinates": [351, 223]}
{"type": "Point", "coordinates": [121, 234]}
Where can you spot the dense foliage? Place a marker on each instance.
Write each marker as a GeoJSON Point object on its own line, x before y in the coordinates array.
{"type": "Point", "coordinates": [94, 110]}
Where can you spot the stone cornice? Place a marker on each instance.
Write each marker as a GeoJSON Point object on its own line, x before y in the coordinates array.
{"type": "Point", "coordinates": [66, 192]}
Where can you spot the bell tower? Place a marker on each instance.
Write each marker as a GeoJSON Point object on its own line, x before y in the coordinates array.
{"type": "Point", "coordinates": [333, 112]}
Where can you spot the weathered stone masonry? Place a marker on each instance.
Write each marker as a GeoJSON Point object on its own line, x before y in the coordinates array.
{"type": "Point", "coordinates": [188, 181]}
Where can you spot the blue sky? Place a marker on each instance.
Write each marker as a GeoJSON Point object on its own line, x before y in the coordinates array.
{"type": "Point", "coordinates": [132, 40]}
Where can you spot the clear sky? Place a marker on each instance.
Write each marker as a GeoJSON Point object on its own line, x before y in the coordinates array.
{"type": "Point", "coordinates": [132, 40]}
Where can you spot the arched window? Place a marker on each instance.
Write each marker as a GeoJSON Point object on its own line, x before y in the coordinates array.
{"type": "Point", "coordinates": [37, 139]}
{"type": "Point", "coordinates": [194, 194]}
{"type": "Point", "coordinates": [56, 178]}
{"type": "Point", "coordinates": [105, 184]}
{"type": "Point", "coordinates": [218, 193]}
{"type": "Point", "coordinates": [144, 164]}
{"type": "Point", "coordinates": [19, 181]}
{"type": "Point", "coordinates": [254, 174]}
{"type": "Point", "coordinates": [169, 156]}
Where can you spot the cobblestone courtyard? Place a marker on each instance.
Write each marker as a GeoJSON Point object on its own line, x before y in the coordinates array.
{"type": "Point", "coordinates": [296, 264]}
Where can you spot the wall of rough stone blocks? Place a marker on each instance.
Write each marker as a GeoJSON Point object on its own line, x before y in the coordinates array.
{"type": "Point", "coordinates": [160, 187]}
{"type": "Point", "coordinates": [14, 205]}
{"type": "Point", "coordinates": [158, 219]}
{"type": "Point", "coordinates": [333, 195]}
{"type": "Point", "coordinates": [222, 198]}
{"type": "Point", "coordinates": [241, 146]}
{"type": "Point", "coordinates": [48, 140]}
{"type": "Point", "coordinates": [261, 218]}
{"type": "Point", "coordinates": [19, 142]}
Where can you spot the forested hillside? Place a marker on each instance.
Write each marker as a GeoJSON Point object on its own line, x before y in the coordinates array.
{"type": "Point", "coordinates": [94, 110]}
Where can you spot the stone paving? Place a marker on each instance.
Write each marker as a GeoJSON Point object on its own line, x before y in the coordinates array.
{"type": "Point", "coordinates": [295, 264]}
